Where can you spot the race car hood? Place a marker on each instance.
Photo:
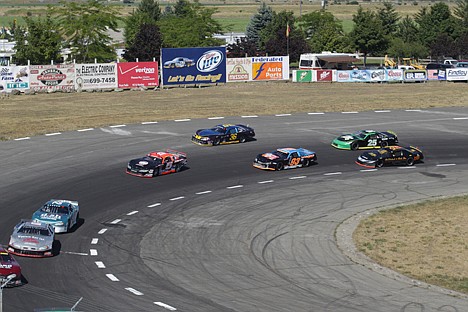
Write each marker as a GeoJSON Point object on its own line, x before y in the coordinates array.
{"type": "Point", "coordinates": [7, 268]}
{"type": "Point", "coordinates": [143, 162]}
{"type": "Point", "coordinates": [30, 240]}
{"type": "Point", "coordinates": [347, 137]}
{"type": "Point", "coordinates": [369, 156]}
{"type": "Point", "coordinates": [269, 156]}
{"type": "Point", "coordinates": [49, 217]}
{"type": "Point", "coordinates": [207, 132]}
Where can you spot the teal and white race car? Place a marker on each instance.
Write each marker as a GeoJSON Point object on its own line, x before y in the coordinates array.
{"type": "Point", "coordinates": [62, 214]}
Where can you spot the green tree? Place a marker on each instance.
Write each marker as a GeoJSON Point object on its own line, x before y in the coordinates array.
{"type": "Point", "coordinates": [147, 12]}
{"type": "Point", "coordinates": [407, 30]}
{"type": "Point", "coordinates": [399, 48]}
{"type": "Point", "coordinates": [324, 32]}
{"type": "Point", "coordinates": [435, 21]}
{"type": "Point", "coordinates": [146, 44]}
{"type": "Point", "coordinates": [368, 34]}
{"type": "Point", "coordinates": [192, 25]}
{"type": "Point", "coordinates": [84, 26]}
{"type": "Point", "coordinates": [443, 46]}
{"type": "Point", "coordinates": [389, 17]}
{"type": "Point", "coordinates": [243, 47]}
{"type": "Point", "coordinates": [461, 12]}
{"type": "Point", "coordinates": [38, 42]}
{"type": "Point", "coordinates": [258, 22]}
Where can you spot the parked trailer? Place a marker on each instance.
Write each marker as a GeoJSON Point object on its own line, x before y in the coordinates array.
{"type": "Point", "coordinates": [327, 60]}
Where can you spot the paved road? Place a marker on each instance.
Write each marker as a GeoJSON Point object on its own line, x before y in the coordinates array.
{"type": "Point", "coordinates": [222, 235]}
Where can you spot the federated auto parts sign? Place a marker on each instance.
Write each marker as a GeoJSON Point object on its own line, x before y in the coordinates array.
{"type": "Point", "coordinates": [193, 65]}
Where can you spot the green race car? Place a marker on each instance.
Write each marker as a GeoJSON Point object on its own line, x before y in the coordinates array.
{"type": "Point", "coordinates": [365, 139]}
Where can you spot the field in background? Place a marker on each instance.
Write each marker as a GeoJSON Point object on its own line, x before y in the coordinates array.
{"type": "Point", "coordinates": [232, 14]}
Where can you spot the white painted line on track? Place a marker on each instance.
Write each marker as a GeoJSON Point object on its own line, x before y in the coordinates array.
{"type": "Point", "coordinates": [117, 126]}
{"type": "Point", "coordinates": [177, 198]}
{"type": "Point", "coordinates": [166, 306]}
{"type": "Point", "coordinates": [154, 205]}
{"type": "Point", "coordinates": [182, 120]}
{"type": "Point", "coordinates": [382, 111]}
{"type": "Point", "coordinates": [22, 139]}
{"type": "Point", "coordinates": [214, 118]}
{"type": "Point", "coordinates": [100, 264]}
{"type": "Point", "coordinates": [84, 130]}
{"type": "Point", "coordinates": [282, 115]}
{"type": "Point", "coordinates": [93, 252]}
{"type": "Point", "coordinates": [116, 221]}
{"type": "Point", "coordinates": [102, 231]}
{"type": "Point", "coordinates": [368, 170]}
{"type": "Point", "coordinates": [315, 113]}
{"type": "Point", "coordinates": [298, 177]}
{"type": "Point", "coordinates": [52, 134]}
{"type": "Point", "coordinates": [350, 112]}
{"type": "Point", "coordinates": [266, 181]}
{"type": "Point", "coordinates": [249, 116]}
{"type": "Point", "coordinates": [132, 213]}
{"type": "Point", "coordinates": [332, 173]}
{"type": "Point", "coordinates": [412, 110]}
{"type": "Point", "coordinates": [112, 277]}
{"type": "Point", "coordinates": [74, 253]}
{"type": "Point", "coordinates": [134, 291]}
{"type": "Point", "coordinates": [204, 192]}
{"type": "Point", "coordinates": [460, 118]}
{"type": "Point", "coordinates": [234, 186]}
{"type": "Point", "coordinates": [445, 165]}
{"type": "Point", "coordinates": [407, 167]}
{"type": "Point", "coordinates": [149, 122]}
{"type": "Point", "coordinates": [94, 241]}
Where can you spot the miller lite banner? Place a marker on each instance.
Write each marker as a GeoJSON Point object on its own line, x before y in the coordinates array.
{"type": "Point", "coordinates": [193, 65]}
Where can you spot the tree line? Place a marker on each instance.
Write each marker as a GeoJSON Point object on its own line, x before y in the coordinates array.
{"type": "Point", "coordinates": [83, 27]}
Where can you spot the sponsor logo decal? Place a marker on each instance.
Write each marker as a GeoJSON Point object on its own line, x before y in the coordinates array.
{"type": "Point", "coordinates": [209, 61]}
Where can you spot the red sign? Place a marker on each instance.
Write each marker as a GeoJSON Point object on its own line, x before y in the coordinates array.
{"type": "Point", "coordinates": [137, 74]}
{"type": "Point", "coordinates": [324, 75]}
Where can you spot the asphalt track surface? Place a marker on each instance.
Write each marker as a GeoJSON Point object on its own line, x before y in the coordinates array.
{"type": "Point", "coordinates": [222, 235]}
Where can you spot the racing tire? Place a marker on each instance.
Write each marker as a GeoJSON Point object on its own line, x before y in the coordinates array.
{"type": "Point", "coordinates": [279, 166]}
{"type": "Point", "coordinates": [242, 139]}
{"type": "Point", "coordinates": [354, 146]}
{"type": "Point", "coordinates": [306, 163]}
{"type": "Point", "coordinates": [384, 144]}
{"type": "Point", "coordinates": [216, 142]}
{"type": "Point", "coordinates": [410, 161]}
{"type": "Point", "coordinates": [177, 168]}
{"type": "Point", "coordinates": [379, 163]}
{"type": "Point", "coordinates": [157, 172]}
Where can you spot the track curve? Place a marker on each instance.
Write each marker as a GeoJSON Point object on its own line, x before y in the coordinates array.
{"type": "Point", "coordinates": [221, 235]}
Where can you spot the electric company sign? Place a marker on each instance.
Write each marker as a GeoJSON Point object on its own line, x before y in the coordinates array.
{"type": "Point", "coordinates": [193, 65]}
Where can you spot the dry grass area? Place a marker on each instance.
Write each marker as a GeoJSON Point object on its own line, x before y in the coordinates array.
{"type": "Point", "coordinates": [427, 241]}
{"type": "Point", "coordinates": [28, 115]}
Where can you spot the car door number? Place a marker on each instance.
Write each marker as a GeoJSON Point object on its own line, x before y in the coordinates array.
{"type": "Point", "coordinates": [233, 136]}
{"type": "Point", "coordinates": [372, 142]}
{"type": "Point", "coordinates": [295, 161]}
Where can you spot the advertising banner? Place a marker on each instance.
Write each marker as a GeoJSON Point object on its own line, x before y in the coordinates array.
{"type": "Point", "coordinates": [270, 68]}
{"type": "Point", "coordinates": [96, 76]}
{"type": "Point", "coordinates": [193, 65]}
{"type": "Point", "coordinates": [52, 77]}
{"type": "Point", "coordinates": [415, 75]}
{"type": "Point", "coordinates": [14, 78]}
{"type": "Point", "coordinates": [303, 75]}
{"type": "Point", "coordinates": [432, 74]}
{"type": "Point", "coordinates": [394, 75]}
{"type": "Point", "coordinates": [343, 75]}
{"type": "Point", "coordinates": [441, 75]}
{"type": "Point", "coordinates": [324, 75]}
{"type": "Point", "coordinates": [239, 69]}
{"type": "Point", "coordinates": [377, 75]}
{"type": "Point", "coordinates": [457, 73]}
{"type": "Point", "coordinates": [134, 75]}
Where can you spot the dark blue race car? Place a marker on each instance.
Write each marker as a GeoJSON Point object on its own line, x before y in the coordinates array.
{"type": "Point", "coordinates": [223, 134]}
{"type": "Point", "coordinates": [285, 158]}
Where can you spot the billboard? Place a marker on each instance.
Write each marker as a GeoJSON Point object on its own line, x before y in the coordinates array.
{"type": "Point", "coordinates": [303, 76]}
{"type": "Point", "coordinates": [52, 77]}
{"type": "Point", "coordinates": [134, 75]}
{"type": "Point", "coordinates": [96, 76]}
{"type": "Point", "coordinates": [270, 68]}
{"type": "Point", "coordinates": [415, 75]}
{"type": "Point", "coordinates": [239, 69]}
{"type": "Point", "coordinates": [394, 75]}
{"type": "Point", "coordinates": [458, 74]}
{"type": "Point", "coordinates": [193, 65]}
{"type": "Point", "coordinates": [324, 75]}
{"type": "Point", "coordinates": [14, 78]}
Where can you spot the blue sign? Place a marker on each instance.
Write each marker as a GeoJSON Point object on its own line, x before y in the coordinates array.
{"type": "Point", "coordinates": [193, 65]}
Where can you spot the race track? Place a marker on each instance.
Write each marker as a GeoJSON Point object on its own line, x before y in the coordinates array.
{"type": "Point", "coordinates": [222, 235]}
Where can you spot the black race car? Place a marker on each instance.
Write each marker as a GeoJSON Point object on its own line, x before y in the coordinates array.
{"type": "Point", "coordinates": [157, 163]}
{"type": "Point", "coordinates": [223, 134]}
{"type": "Point", "coordinates": [392, 155]}
{"type": "Point", "coordinates": [285, 158]}
{"type": "Point", "coordinates": [365, 139]}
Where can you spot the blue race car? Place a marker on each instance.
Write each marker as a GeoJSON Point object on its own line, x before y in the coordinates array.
{"type": "Point", "coordinates": [223, 134]}
{"type": "Point", "coordinates": [285, 158]}
{"type": "Point", "coordinates": [62, 214]}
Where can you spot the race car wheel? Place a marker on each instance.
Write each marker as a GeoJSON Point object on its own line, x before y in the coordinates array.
{"type": "Point", "coordinates": [242, 139]}
{"type": "Point", "coordinates": [379, 163]}
{"type": "Point", "coordinates": [177, 168]}
{"type": "Point", "coordinates": [384, 144]}
{"type": "Point", "coordinates": [410, 161]}
{"type": "Point", "coordinates": [354, 146]}
{"type": "Point", "coordinates": [279, 166]}
{"type": "Point", "coordinates": [157, 172]}
{"type": "Point", "coordinates": [305, 163]}
{"type": "Point", "coordinates": [216, 142]}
